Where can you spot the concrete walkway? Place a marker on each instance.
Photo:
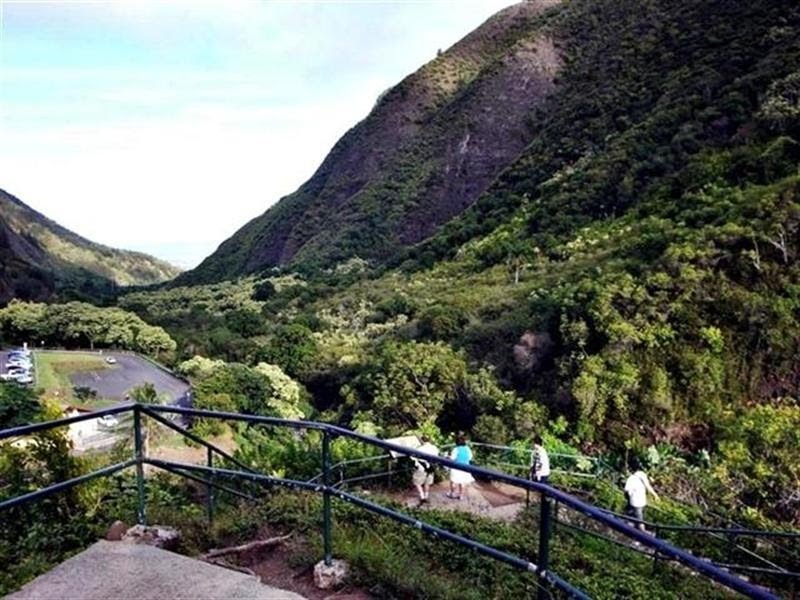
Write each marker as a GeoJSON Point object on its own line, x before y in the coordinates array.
{"type": "Point", "coordinates": [116, 570]}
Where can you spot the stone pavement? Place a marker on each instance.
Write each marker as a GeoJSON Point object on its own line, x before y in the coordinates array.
{"type": "Point", "coordinates": [115, 570]}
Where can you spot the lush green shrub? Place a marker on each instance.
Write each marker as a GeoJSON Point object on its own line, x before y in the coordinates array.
{"type": "Point", "coordinates": [264, 291]}
{"type": "Point", "coordinates": [18, 405]}
{"type": "Point", "coordinates": [758, 460]}
{"type": "Point", "coordinates": [491, 429]}
{"type": "Point", "coordinates": [442, 322]}
{"type": "Point", "coordinates": [293, 348]}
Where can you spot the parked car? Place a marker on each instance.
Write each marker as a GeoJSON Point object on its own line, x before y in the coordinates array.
{"type": "Point", "coordinates": [111, 360]}
{"type": "Point", "coordinates": [18, 362]}
{"type": "Point", "coordinates": [17, 376]}
{"type": "Point", "coordinates": [15, 371]}
{"type": "Point", "coordinates": [107, 421]}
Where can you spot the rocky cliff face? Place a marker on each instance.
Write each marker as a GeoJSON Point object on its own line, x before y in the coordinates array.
{"type": "Point", "coordinates": [41, 258]}
{"type": "Point", "coordinates": [429, 148]}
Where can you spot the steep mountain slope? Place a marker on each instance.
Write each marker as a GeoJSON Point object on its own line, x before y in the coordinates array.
{"type": "Point", "coordinates": [631, 281]}
{"type": "Point", "coordinates": [428, 149]}
{"type": "Point", "coordinates": [40, 258]}
{"type": "Point", "coordinates": [652, 227]}
{"type": "Point", "coordinates": [645, 88]}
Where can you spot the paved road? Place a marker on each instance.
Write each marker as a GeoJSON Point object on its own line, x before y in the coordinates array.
{"type": "Point", "coordinates": [130, 372]}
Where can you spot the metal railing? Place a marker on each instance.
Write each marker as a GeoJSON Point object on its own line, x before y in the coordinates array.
{"type": "Point", "coordinates": [549, 495]}
{"type": "Point", "coordinates": [518, 458]}
{"type": "Point", "coordinates": [730, 551]}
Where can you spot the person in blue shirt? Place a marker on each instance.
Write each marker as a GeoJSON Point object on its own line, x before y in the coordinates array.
{"type": "Point", "coordinates": [461, 454]}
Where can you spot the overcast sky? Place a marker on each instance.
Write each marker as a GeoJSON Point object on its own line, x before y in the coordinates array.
{"type": "Point", "coordinates": [164, 126]}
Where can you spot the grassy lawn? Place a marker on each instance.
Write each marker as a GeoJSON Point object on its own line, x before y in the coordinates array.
{"type": "Point", "coordinates": [54, 368]}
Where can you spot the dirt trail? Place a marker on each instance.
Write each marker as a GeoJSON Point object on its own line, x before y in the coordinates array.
{"type": "Point", "coordinates": [493, 500]}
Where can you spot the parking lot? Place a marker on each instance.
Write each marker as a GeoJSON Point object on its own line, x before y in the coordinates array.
{"type": "Point", "coordinates": [128, 372]}
{"type": "Point", "coordinates": [115, 377]}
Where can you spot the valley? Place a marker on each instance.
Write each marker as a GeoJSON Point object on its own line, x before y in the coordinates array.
{"type": "Point", "coordinates": [580, 222]}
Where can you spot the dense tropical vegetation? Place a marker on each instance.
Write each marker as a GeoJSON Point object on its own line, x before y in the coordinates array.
{"type": "Point", "coordinates": [635, 272]}
{"type": "Point", "coordinates": [629, 286]}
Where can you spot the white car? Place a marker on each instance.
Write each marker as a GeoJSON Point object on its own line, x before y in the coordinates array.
{"type": "Point", "coordinates": [111, 360]}
{"type": "Point", "coordinates": [108, 421]}
{"type": "Point", "coordinates": [17, 377]}
{"type": "Point", "coordinates": [18, 371]}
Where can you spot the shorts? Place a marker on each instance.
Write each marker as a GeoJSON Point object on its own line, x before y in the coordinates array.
{"type": "Point", "coordinates": [421, 477]}
{"type": "Point", "coordinates": [460, 477]}
{"type": "Point", "coordinates": [637, 512]}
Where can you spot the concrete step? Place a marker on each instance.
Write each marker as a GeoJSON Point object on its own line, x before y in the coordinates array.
{"type": "Point", "coordinates": [136, 571]}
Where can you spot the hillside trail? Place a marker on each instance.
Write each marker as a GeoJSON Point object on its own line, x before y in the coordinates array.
{"type": "Point", "coordinates": [493, 500]}
{"type": "Point", "coordinates": [499, 502]}
{"type": "Point", "coordinates": [502, 502]}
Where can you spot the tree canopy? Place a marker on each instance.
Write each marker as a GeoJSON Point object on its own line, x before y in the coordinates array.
{"type": "Point", "coordinates": [77, 324]}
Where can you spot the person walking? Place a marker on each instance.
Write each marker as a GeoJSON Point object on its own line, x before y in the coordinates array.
{"type": "Point", "coordinates": [540, 461]}
{"type": "Point", "coordinates": [637, 486]}
{"type": "Point", "coordinates": [423, 475]}
{"type": "Point", "coordinates": [461, 454]}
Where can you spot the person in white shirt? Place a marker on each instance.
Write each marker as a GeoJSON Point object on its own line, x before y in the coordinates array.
{"type": "Point", "coordinates": [423, 470]}
{"type": "Point", "coordinates": [540, 461]}
{"type": "Point", "coordinates": [637, 486]}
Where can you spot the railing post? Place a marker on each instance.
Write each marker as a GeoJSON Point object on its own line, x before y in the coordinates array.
{"type": "Point", "coordinates": [731, 547]}
{"type": "Point", "coordinates": [530, 476]}
{"type": "Point", "coordinates": [555, 515]}
{"type": "Point", "coordinates": [209, 487]}
{"type": "Point", "coordinates": [545, 526]}
{"type": "Point", "coordinates": [326, 497]}
{"type": "Point", "coordinates": [138, 447]}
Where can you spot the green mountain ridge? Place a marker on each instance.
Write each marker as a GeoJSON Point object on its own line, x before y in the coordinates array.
{"type": "Point", "coordinates": [629, 279]}
{"type": "Point", "coordinates": [426, 151]}
{"type": "Point", "coordinates": [43, 260]}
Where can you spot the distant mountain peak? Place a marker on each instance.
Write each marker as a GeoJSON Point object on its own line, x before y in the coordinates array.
{"type": "Point", "coordinates": [40, 258]}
